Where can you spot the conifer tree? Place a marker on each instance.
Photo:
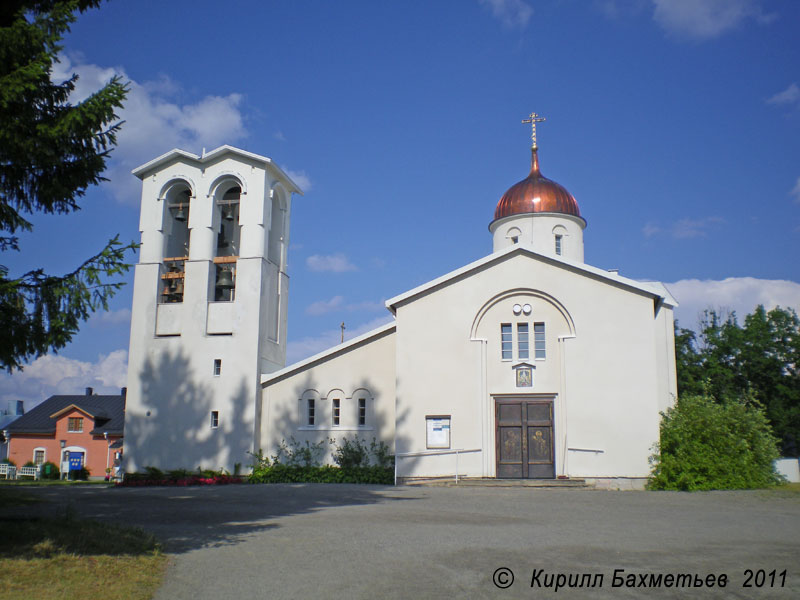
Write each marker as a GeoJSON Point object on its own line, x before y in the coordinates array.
{"type": "Point", "coordinates": [51, 151]}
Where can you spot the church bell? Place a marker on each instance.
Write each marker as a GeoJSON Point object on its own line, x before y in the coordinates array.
{"type": "Point", "coordinates": [225, 280]}
{"type": "Point", "coordinates": [180, 215]}
{"type": "Point", "coordinates": [228, 214]}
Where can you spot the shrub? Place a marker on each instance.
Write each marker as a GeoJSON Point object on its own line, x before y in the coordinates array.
{"type": "Point", "coordinates": [280, 473]}
{"type": "Point", "coordinates": [8, 461]}
{"type": "Point", "coordinates": [351, 454]}
{"type": "Point", "coordinates": [707, 445]}
{"type": "Point", "coordinates": [295, 454]}
{"type": "Point", "coordinates": [50, 471]}
{"type": "Point", "coordinates": [30, 463]}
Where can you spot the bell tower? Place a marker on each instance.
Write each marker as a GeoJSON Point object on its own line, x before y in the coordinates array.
{"type": "Point", "coordinates": [209, 307]}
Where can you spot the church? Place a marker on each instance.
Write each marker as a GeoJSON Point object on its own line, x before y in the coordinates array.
{"type": "Point", "coordinates": [527, 363]}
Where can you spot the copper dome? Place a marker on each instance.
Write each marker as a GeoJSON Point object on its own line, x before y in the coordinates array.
{"type": "Point", "coordinates": [536, 194]}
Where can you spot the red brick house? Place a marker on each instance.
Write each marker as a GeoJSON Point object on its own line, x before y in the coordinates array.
{"type": "Point", "coordinates": [85, 431]}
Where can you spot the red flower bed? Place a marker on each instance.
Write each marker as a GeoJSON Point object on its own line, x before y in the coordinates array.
{"type": "Point", "coordinates": [183, 482]}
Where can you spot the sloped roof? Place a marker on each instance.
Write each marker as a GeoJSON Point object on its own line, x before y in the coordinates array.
{"type": "Point", "coordinates": [109, 412]}
{"type": "Point", "coordinates": [144, 170]}
{"type": "Point", "coordinates": [654, 289]}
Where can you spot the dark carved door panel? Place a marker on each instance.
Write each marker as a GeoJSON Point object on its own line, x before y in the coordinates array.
{"type": "Point", "coordinates": [524, 438]}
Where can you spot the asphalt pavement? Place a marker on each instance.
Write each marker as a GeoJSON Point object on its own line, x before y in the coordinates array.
{"type": "Point", "coordinates": [352, 541]}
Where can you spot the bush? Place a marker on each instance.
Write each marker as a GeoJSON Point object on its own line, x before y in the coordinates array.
{"type": "Point", "coordinates": [50, 471]}
{"type": "Point", "coordinates": [707, 445]}
{"type": "Point", "coordinates": [351, 454]}
{"type": "Point", "coordinates": [279, 473]}
{"type": "Point", "coordinates": [8, 461]}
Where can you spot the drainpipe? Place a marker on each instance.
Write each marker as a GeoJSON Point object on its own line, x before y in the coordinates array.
{"type": "Point", "coordinates": [561, 339]}
{"type": "Point", "coordinates": [108, 450]}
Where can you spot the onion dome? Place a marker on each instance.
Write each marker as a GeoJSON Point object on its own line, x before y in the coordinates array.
{"type": "Point", "coordinates": [536, 194]}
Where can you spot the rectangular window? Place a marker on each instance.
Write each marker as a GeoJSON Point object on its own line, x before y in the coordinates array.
{"type": "Point", "coordinates": [217, 367]}
{"type": "Point", "coordinates": [337, 405]}
{"type": "Point", "coordinates": [362, 411]}
{"type": "Point", "coordinates": [523, 347]}
{"type": "Point", "coordinates": [214, 419]}
{"type": "Point", "coordinates": [38, 457]}
{"type": "Point", "coordinates": [505, 341]}
{"type": "Point", "coordinates": [75, 424]}
{"type": "Point", "coordinates": [558, 245]}
{"type": "Point", "coordinates": [538, 340]}
{"type": "Point", "coordinates": [310, 411]}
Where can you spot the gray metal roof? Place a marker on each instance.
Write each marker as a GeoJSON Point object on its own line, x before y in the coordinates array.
{"type": "Point", "coordinates": [109, 413]}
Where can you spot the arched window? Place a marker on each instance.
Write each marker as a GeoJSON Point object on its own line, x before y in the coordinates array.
{"type": "Point", "coordinates": [276, 229]}
{"type": "Point", "coordinates": [177, 202]}
{"type": "Point", "coordinates": [513, 235]}
{"type": "Point", "coordinates": [226, 219]}
{"type": "Point", "coordinates": [559, 239]}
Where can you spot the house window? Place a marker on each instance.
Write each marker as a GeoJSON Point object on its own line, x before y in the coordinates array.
{"type": "Point", "coordinates": [523, 350]}
{"type": "Point", "coordinates": [310, 411]}
{"type": "Point", "coordinates": [362, 411]}
{"type": "Point", "coordinates": [505, 341]}
{"type": "Point", "coordinates": [75, 425]}
{"type": "Point", "coordinates": [538, 340]}
{"type": "Point", "coordinates": [217, 367]}
{"type": "Point", "coordinates": [214, 419]}
{"type": "Point", "coordinates": [38, 456]}
{"type": "Point", "coordinates": [337, 405]}
{"type": "Point", "coordinates": [558, 244]}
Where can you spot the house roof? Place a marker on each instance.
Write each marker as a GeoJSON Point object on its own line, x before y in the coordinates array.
{"type": "Point", "coordinates": [654, 289]}
{"type": "Point", "coordinates": [144, 170]}
{"type": "Point", "coordinates": [108, 412]}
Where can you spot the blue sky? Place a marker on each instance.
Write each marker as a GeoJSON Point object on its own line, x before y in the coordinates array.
{"type": "Point", "coordinates": [675, 124]}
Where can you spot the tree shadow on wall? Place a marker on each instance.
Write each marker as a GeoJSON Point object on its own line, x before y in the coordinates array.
{"type": "Point", "coordinates": [178, 432]}
{"type": "Point", "coordinates": [284, 420]}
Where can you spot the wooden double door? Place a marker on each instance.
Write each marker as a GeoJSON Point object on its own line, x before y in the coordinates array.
{"type": "Point", "coordinates": [524, 438]}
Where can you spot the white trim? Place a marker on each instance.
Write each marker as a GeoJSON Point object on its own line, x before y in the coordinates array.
{"type": "Point", "coordinates": [35, 450]}
{"type": "Point", "coordinates": [651, 288]}
{"type": "Point", "coordinates": [142, 171]}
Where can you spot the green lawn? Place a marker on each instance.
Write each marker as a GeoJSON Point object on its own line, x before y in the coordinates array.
{"type": "Point", "coordinates": [66, 557]}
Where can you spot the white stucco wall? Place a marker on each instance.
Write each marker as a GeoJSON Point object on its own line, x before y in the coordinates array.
{"type": "Point", "coordinates": [361, 368]}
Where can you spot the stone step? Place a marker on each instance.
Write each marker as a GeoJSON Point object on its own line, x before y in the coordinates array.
{"type": "Point", "coordinates": [491, 482]}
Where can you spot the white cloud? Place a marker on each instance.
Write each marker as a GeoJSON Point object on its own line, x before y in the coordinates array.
{"type": "Point", "coordinates": [325, 306]}
{"type": "Point", "coordinates": [336, 263]}
{"type": "Point", "coordinates": [791, 95]}
{"type": "Point", "coordinates": [278, 135]}
{"type": "Point", "coordinates": [112, 317]}
{"type": "Point", "coordinates": [300, 178]}
{"type": "Point", "coordinates": [309, 346]}
{"type": "Point", "coordinates": [706, 19]}
{"type": "Point", "coordinates": [155, 124]}
{"type": "Point", "coordinates": [53, 374]}
{"type": "Point", "coordinates": [796, 191]}
{"type": "Point", "coordinates": [511, 13]}
{"type": "Point", "coordinates": [740, 294]}
{"type": "Point", "coordinates": [684, 228]}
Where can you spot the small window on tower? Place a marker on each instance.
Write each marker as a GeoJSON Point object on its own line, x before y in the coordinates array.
{"type": "Point", "coordinates": [217, 367]}
{"type": "Point", "coordinates": [337, 405]}
{"type": "Point", "coordinates": [214, 419]}
{"type": "Point", "coordinates": [558, 244]}
{"type": "Point", "coordinates": [310, 411]}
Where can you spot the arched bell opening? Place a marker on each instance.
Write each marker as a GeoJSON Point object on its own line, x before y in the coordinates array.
{"type": "Point", "coordinates": [229, 233]}
{"type": "Point", "coordinates": [177, 203]}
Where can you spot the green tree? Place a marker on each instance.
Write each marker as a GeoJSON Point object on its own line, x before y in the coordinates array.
{"type": "Point", "coordinates": [709, 445]}
{"type": "Point", "coordinates": [761, 357]}
{"type": "Point", "coordinates": [51, 151]}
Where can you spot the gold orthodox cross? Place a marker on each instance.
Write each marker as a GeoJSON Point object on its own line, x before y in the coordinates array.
{"type": "Point", "coordinates": [533, 119]}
